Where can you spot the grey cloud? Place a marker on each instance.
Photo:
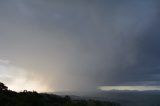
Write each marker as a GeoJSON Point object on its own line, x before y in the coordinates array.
{"type": "Point", "coordinates": [79, 45]}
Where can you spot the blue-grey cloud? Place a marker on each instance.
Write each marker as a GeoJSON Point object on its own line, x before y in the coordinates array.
{"type": "Point", "coordinates": [80, 45]}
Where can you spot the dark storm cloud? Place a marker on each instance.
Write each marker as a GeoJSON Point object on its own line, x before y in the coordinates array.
{"type": "Point", "coordinates": [145, 69]}
{"type": "Point", "coordinates": [79, 45]}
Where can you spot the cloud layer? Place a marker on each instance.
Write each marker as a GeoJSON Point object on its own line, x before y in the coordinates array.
{"type": "Point", "coordinates": [80, 45]}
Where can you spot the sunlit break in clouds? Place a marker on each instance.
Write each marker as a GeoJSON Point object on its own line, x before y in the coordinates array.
{"type": "Point", "coordinates": [79, 45]}
{"type": "Point", "coordinates": [17, 79]}
{"type": "Point", "coordinates": [131, 88]}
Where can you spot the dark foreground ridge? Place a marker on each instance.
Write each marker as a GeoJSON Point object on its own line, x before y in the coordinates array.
{"type": "Point", "coordinates": [32, 98]}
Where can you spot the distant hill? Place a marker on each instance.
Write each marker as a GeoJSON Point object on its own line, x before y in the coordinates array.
{"type": "Point", "coordinates": [124, 97]}
{"type": "Point", "coordinates": [32, 98]}
{"type": "Point", "coordinates": [127, 98]}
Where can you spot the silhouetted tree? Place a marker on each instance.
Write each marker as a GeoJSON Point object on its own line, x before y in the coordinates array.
{"type": "Point", "coordinates": [3, 87]}
{"type": "Point", "coordinates": [32, 98]}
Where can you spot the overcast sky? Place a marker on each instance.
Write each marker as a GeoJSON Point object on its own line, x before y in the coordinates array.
{"type": "Point", "coordinates": [79, 45]}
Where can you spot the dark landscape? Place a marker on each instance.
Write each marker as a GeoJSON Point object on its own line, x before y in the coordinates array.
{"type": "Point", "coordinates": [32, 98]}
{"type": "Point", "coordinates": [125, 98]}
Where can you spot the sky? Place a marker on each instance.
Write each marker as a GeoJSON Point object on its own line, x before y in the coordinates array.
{"type": "Point", "coordinates": [80, 45]}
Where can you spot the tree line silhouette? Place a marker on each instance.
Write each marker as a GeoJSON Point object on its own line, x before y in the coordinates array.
{"type": "Point", "coordinates": [32, 98]}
